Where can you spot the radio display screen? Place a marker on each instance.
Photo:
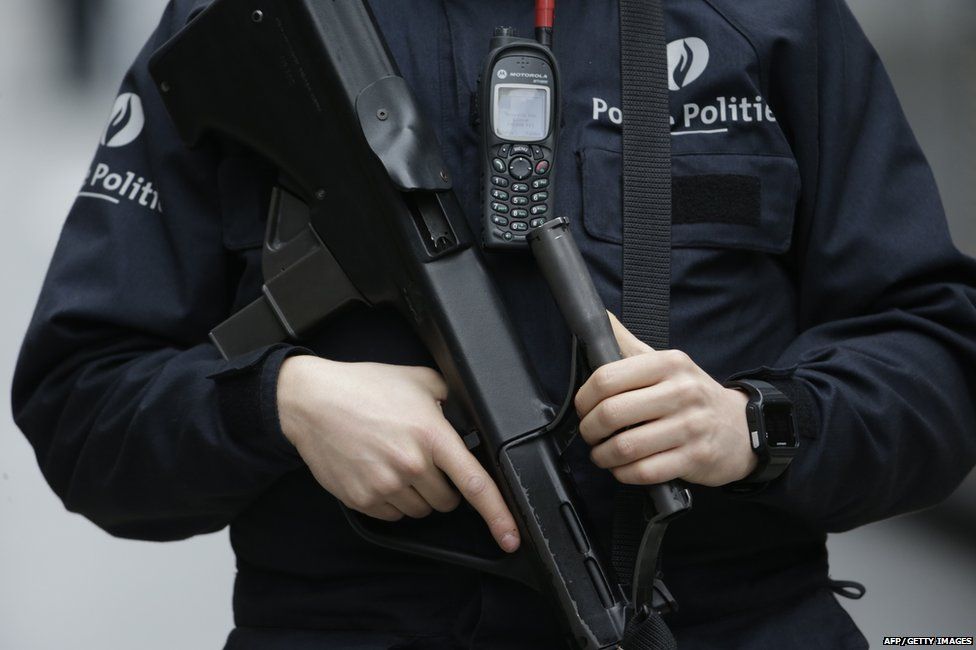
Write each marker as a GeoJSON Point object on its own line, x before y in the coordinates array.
{"type": "Point", "coordinates": [521, 112]}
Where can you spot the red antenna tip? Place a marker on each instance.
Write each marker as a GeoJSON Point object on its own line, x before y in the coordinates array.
{"type": "Point", "coordinates": [545, 13]}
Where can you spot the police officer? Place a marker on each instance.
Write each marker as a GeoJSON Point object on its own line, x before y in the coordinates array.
{"type": "Point", "coordinates": [810, 251]}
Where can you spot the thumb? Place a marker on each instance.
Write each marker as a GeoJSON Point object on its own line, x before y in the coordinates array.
{"type": "Point", "coordinates": [629, 344]}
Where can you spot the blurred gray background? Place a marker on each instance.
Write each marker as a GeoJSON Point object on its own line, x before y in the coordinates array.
{"type": "Point", "coordinates": [64, 583]}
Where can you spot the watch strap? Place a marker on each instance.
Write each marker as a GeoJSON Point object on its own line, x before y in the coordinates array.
{"type": "Point", "coordinates": [772, 462]}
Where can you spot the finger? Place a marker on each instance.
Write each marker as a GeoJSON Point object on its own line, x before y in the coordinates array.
{"type": "Point", "coordinates": [629, 344]}
{"type": "Point", "coordinates": [433, 381]}
{"type": "Point", "coordinates": [659, 468]}
{"type": "Point", "coordinates": [477, 487]}
{"type": "Point", "coordinates": [410, 503]}
{"type": "Point", "coordinates": [640, 442]}
{"type": "Point", "coordinates": [621, 376]}
{"type": "Point", "coordinates": [628, 409]}
{"type": "Point", "coordinates": [435, 490]}
{"type": "Point", "coordinates": [384, 511]}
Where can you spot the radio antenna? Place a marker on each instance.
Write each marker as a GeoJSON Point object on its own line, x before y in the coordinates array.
{"type": "Point", "coordinates": [545, 18]}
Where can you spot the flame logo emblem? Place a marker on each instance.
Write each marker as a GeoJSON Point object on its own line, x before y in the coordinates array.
{"type": "Point", "coordinates": [127, 121]}
{"type": "Point", "coordinates": [687, 60]}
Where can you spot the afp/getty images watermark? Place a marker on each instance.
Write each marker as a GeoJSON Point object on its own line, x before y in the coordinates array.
{"type": "Point", "coordinates": [927, 640]}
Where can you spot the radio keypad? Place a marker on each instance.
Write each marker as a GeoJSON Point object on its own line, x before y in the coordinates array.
{"type": "Point", "coordinates": [521, 170]}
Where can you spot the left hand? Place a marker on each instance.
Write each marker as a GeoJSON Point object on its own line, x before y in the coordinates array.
{"type": "Point", "coordinates": [685, 424]}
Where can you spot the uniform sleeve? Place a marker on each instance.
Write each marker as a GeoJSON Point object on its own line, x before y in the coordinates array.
{"type": "Point", "coordinates": [137, 422]}
{"type": "Point", "coordinates": [884, 371]}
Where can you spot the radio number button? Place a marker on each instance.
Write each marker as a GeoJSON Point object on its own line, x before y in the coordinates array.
{"type": "Point", "coordinates": [535, 223]}
{"type": "Point", "coordinates": [500, 181]}
{"type": "Point", "coordinates": [540, 183]}
{"type": "Point", "coordinates": [499, 220]}
{"type": "Point", "coordinates": [519, 226]}
{"type": "Point", "coordinates": [520, 168]}
{"type": "Point", "coordinates": [500, 207]}
{"type": "Point", "coordinates": [520, 187]}
{"type": "Point", "coordinates": [520, 200]}
{"type": "Point", "coordinates": [501, 195]}
{"type": "Point", "coordinates": [539, 209]}
{"type": "Point", "coordinates": [539, 197]}
{"type": "Point", "coordinates": [520, 214]}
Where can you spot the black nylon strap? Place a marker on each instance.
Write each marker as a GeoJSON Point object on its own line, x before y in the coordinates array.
{"type": "Point", "coordinates": [646, 171]}
{"type": "Point", "coordinates": [650, 634]}
{"type": "Point", "coordinates": [628, 531]}
{"type": "Point", "coordinates": [646, 250]}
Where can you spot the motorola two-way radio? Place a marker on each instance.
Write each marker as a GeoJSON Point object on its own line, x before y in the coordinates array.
{"type": "Point", "coordinates": [520, 111]}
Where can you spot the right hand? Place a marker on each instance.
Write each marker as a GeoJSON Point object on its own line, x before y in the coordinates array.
{"type": "Point", "coordinates": [375, 437]}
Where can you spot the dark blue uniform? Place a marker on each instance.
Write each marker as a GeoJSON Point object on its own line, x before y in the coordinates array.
{"type": "Point", "coordinates": [809, 248]}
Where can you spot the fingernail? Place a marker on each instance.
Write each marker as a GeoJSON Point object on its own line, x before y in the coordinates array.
{"type": "Point", "coordinates": [510, 542]}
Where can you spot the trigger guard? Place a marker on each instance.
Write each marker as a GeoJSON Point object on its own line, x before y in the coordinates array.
{"type": "Point", "coordinates": [512, 567]}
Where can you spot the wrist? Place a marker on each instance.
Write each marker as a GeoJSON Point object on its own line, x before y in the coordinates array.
{"type": "Point", "coordinates": [296, 390]}
{"type": "Point", "coordinates": [246, 395]}
{"type": "Point", "coordinates": [772, 429]}
{"type": "Point", "coordinates": [746, 459]}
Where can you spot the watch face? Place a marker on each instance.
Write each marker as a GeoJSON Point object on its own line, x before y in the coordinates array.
{"type": "Point", "coordinates": [778, 419]}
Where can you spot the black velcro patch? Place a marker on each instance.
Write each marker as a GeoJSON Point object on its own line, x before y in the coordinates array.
{"type": "Point", "coordinates": [717, 198]}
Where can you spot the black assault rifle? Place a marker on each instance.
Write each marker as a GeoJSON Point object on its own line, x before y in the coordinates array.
{"type": "Point", "coordinates": [298, 81]}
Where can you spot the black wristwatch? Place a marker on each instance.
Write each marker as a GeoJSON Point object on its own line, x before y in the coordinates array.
{"type": "Point", "coordinates": [772, 429]}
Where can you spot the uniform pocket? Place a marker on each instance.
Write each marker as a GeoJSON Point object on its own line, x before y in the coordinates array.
{"type": "Point", "coordinates": [734, 201]}
{"type": "Point", "coordinates": [718, 200]}
{"type": "Point", "coordinates": [732, 222]}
